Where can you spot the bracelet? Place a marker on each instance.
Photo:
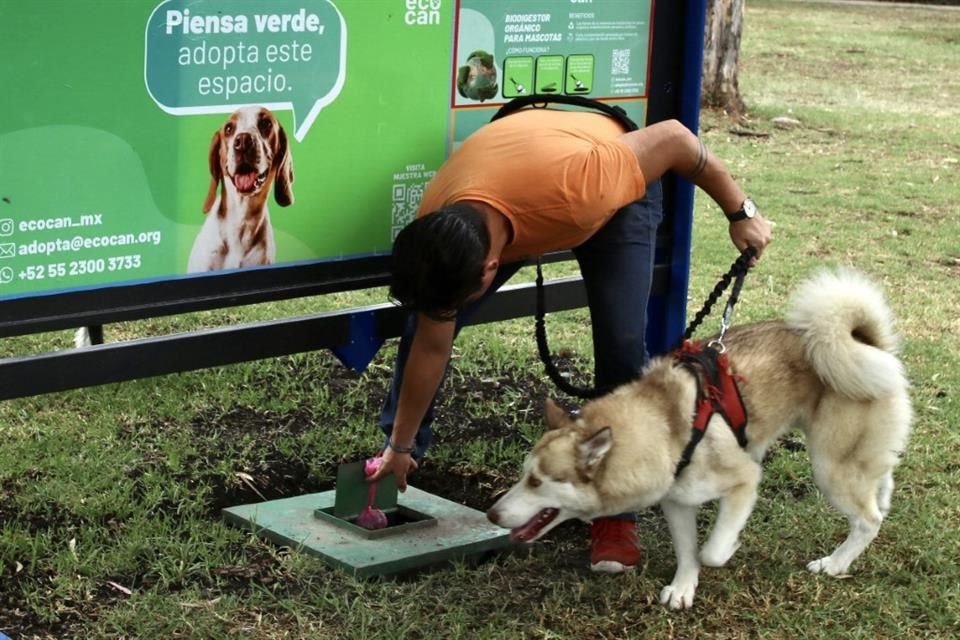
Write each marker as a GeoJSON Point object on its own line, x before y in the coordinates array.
{"type": "Point", "coordinates": [398, 448]}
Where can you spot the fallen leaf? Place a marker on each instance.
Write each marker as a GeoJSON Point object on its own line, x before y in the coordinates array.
{"type": "Point", "coordinates": [120, 587]}
{"type": "Point", "coordinates": [786, 122]}
{"type": "Point", "coordinates": [248, 480]}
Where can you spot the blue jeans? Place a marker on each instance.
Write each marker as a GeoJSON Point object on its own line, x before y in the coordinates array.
{"type": "Point", "coordinates": [617, 268]}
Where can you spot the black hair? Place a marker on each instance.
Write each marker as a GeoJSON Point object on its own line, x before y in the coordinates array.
{"type": "Point", "coordinates": [438, 261]}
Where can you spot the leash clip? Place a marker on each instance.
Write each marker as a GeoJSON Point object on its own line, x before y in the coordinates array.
{"type": "Point", "coordinates": [726, 320]}
{"type": "Point", "coordinates": [717, 343]}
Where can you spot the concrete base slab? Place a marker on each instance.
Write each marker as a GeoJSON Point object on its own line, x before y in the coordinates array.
{"type": "Point", "coordinates": [455, 532]}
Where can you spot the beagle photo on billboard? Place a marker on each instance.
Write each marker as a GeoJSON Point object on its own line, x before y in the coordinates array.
{"type": "Point", "coordinates": [248, 156]}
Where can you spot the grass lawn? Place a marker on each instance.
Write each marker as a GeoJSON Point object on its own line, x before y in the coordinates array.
{"type": "Point", "coordinates": [110, 497]}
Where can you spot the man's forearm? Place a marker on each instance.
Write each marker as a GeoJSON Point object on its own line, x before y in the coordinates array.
{"type": "Point", "coordinates": [416, 393]}
{"type": "Point", "coordinates": [422, 375]}
{"type": "Point", "coordinates": [710, 174]}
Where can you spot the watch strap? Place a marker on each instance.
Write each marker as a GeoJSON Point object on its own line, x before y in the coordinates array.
{"type": "Point", "coordinates": [737, 215]}
{"type": "Point", "coordinates": [741, 213]}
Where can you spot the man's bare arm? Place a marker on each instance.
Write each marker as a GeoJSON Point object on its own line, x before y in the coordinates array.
{"type": "Point", "coordinates": [422, 374]}
{"type": "Point", "coordinates": [670, 146]}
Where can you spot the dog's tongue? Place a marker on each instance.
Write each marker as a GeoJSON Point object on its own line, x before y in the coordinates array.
{"type": "Point", "coordinates": [245, 182]}
{"type": "Point", "coordinates": [529, 531]}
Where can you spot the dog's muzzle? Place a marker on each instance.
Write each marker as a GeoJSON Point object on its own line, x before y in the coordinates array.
{"type": "Point", "coordinates": [529, 531]}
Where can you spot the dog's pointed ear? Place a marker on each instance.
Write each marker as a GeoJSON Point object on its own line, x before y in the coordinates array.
{"type": "Point", "coordinates": [593, 449]}
{"type": "Point", "coordinates": [283, 162]}
{"type": "Point", "coordinates": [216, 175]}
{"type": "Point", "coordinates": [556, 416]}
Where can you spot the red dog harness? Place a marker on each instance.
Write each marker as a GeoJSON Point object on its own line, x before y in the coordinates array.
{"type": "Point", "coordinates": [717, 392]}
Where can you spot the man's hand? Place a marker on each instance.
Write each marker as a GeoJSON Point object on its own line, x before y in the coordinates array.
{"type": "Point", "coordinates": [399, 464]}
{"type": "Point", "coordinates": [756, 232]}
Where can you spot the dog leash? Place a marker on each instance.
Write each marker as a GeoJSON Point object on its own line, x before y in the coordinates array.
{"type": "Point", "coordinates": [738, 270]}
{"type": "Point", "coordinates": [541, 101]}
{"type": "Point", "coordinates": [736, 274]}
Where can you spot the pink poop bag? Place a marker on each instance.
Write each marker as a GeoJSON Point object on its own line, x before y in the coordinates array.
{"type": "Point", "coordinates": [371, 518]}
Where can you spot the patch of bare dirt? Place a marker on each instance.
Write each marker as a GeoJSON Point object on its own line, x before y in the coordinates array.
{"type": "Point", "coordinates": [249, 441]}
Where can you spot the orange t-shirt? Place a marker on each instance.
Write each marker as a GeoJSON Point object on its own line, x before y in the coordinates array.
{"type": "Point", "coordinates": [558, 176]}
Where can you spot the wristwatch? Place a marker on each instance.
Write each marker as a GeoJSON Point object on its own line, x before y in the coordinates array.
{"type": "Point", "coordinates": [746, 211]}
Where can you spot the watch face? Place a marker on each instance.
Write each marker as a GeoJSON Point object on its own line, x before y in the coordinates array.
{"type": "Point", "coordinates": [749, 208]}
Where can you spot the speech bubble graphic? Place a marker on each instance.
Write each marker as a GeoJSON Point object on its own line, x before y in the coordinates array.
{"type": "Point", "coordinates": [213, 56]}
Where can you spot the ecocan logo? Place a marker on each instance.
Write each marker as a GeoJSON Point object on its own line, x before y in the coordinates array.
{"type": "Point", "coordinates": [422, 12]}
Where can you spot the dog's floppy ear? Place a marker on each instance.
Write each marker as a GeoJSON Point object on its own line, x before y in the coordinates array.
{"type": "Point", "coordinates": [556, 416]}
{"type": "Point", "coordinates": [594, 449]}
{"type": "Point", "coordinates": [216, 175]}
{"type": "Point", "coordinates": [283, 162]}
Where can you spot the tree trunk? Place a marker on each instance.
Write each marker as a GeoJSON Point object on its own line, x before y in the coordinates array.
{"type": "Point", "coordinates": [721, 54]}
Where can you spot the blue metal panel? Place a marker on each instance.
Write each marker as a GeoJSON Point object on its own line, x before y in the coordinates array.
{"type": "Point", "coordinates": [363, 343]}
{"type": "Point", "coordinates": [668, 313]}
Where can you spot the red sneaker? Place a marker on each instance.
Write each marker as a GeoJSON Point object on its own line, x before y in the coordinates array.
{"type": "Point", "coordinates": [614, 547]}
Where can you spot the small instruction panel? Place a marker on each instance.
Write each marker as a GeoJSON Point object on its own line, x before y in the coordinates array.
{"type": "Point", "coordinates": [596, 48]}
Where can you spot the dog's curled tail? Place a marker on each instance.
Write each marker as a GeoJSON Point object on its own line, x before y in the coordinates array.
{"type": "Point", "coordinates": [848, 333]}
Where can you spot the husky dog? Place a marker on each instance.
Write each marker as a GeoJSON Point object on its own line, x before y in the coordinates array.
{"type": "Point", "coordinates": [829, 370]}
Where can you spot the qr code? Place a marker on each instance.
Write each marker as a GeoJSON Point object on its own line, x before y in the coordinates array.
{"type": "Point", "coordinates": [620, 63]}
{"type": "Point", "coordinates": [401, 213]}
{"type": "Point", "coordinates": [406, 199]}
{"type": "Point", "coordinates": [414, 195]}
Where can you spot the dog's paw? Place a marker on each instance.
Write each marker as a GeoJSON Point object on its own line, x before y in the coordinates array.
{"type": "Point", "coordinates": [678, 596]}
{"type": "Point", "coordinates": [715, 556]}
{"type": "Point", "coordinates": [828, 566]}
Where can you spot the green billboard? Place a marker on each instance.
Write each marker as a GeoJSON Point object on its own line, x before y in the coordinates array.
{"type": "Point", "coordinates": [158, 141]}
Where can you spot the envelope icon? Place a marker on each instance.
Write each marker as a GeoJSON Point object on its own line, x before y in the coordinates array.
{"type": "Point", "coordinates": [8, 250]}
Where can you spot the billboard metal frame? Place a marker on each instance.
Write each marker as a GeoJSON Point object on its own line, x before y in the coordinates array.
{"type": "Point", "coordinates": [674, 92]}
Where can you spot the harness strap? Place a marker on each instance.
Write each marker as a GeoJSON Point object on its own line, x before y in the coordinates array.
{"type": "Point", "coordinates": [717, 392]}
